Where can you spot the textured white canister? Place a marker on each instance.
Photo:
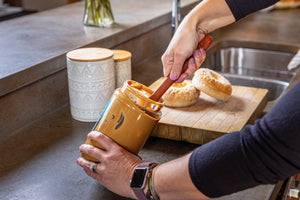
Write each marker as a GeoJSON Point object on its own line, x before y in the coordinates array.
{"type": "Point", "coordinates": [91, 79]}
{"type": "Point", "coordinates": [122, 60]}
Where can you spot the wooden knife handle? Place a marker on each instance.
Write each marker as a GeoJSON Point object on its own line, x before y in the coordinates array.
{"type": "Point", "coordinates": [157, 94]}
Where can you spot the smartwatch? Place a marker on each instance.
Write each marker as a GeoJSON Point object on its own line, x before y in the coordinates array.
{"type": "Point", "coordinates": [140, 179]}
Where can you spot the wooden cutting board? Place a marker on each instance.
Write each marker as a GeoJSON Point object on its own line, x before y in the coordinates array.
{"type": "Point", "coordinates": [210, 118]}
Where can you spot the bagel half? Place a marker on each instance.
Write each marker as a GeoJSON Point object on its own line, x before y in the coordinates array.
{"type": "Point", "coordinates": [181, 94]}
{"type": "Point", "coordinates": [212, 84]}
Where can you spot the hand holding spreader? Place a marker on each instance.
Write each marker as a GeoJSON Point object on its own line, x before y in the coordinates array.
{"type": "Point", "coordinates": [157, 94]}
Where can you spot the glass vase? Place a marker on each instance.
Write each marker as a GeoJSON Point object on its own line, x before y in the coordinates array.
{"type": "Point", "coordinates": [98, 13]}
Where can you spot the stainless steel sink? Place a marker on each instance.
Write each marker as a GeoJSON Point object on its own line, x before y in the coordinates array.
{"type": "Point", "coordinates": [253, 64]}
{"type": "Point", "coordinates": [275, 87]}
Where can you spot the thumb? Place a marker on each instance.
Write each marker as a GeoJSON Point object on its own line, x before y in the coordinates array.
{"type": "Point", "coordinates": [176, 69]}
{"type": "Point", "coordinates": [167, 60]}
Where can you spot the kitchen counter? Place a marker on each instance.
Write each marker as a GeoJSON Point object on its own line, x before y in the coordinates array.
{"type": "Point", "coordinates": [38, 161]}
{"type": "Point", "coordinates": [34, 46]}
{"type": "Point", "coordinates": [33, 49]}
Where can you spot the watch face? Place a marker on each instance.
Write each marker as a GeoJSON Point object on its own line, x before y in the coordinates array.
{"type": "Point", "coordinates": [138, 178]}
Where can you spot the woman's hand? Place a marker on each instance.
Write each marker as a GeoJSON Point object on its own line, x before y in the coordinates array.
{"type": "Point", "coordinates": [181, 48]}
{"type": "Point", "coordinates": [206, 17]}
{"type": "Point", "coordinates": [116, 164]}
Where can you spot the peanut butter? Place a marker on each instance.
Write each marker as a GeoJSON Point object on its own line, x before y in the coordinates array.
{"type": "Point", "coordinates": [129, 117]}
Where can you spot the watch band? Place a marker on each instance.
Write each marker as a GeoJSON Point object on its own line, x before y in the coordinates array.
{"type": "Point", "coordinates": [139, 193]}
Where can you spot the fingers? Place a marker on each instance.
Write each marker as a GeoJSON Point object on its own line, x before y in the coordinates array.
{"type": "Point", "coordinates": [91, 151]}
{"type": "Point", "coordinates": [180, 48]}
{"type": "Point", "coordinates": [199, 56]}
{"type": "Point", "coordinates": [85, 164]}
{"type": "Point", "coordinates": [167, 59]}
{"type": "Point", "coordinates": [185, 74]}
{"type": "Point", "coordinates": [104, 141]}
{"type": "Point", "coordinates": [193, 64]}
{"type": "Point", "coordinates": [104, 144]}
{"type": "Point", "coordinates": [178, 63]}
{"type": "Point", "coordinates": [173, 63]}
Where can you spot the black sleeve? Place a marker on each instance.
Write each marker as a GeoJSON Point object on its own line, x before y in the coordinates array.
{"type": "Point", "coordinates": [263, 153]}
{"type": "Point", "coordinates": [242, 8]}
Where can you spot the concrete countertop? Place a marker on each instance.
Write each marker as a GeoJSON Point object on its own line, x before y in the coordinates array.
{"type": "Point", "coordinates": [38, 162]}
{"type": "Point", "coordinates": [30, 44]}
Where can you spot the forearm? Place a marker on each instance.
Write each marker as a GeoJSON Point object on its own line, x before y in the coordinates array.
{"type": "Point", "coordinates": [207, 16]}
{"type": "Point", "coordinates": [172, 181]}
{"type": "Point", "coordinates": [242, 8]}
{"type": "Point", "coordinates": [264, 153]}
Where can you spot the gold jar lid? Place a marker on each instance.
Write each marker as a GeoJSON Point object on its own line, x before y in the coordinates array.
{"type": "Point", "coordinates": [90, 54]}
{"type": "Point", "coordinates": [121, 55]}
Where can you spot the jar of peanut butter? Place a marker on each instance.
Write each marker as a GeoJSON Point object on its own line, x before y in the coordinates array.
{"type": "Point", "coordinates": [129, 117]}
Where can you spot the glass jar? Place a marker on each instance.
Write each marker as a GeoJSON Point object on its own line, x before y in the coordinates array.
{"type": "Point", "coordinates": [129, 117]}
{"type": "Point", "coordinates": [98, 13]}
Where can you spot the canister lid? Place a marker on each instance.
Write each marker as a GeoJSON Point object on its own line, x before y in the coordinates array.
{"type": "Point", "coordinates": [90, 54]}
{"type": "Point", "coordinates": [120, 55]}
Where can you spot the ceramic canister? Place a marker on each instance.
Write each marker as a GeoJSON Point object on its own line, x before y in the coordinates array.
{"type": "Point", "coordinates": [122, 60]}
{"type": "Point", "coordinates": [91, 79]}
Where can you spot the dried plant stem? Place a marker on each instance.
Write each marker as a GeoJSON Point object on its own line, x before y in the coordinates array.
{"type": "Point", "coordinates": [98, 13]}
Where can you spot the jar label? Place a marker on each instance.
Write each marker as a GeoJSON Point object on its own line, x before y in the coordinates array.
{"type": "Point", "coordinates": [101, 115]}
